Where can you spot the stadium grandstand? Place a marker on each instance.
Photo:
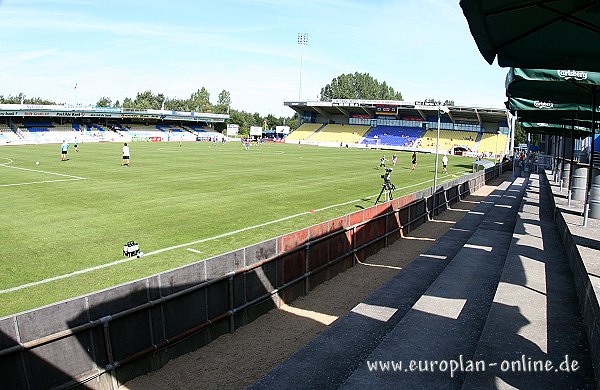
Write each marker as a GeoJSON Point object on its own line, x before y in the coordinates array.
{"type": "Point", "coordinates": [304, 131]}
{"type": "Point", "coordinates": [401, 125]}
{"type": "Point", "coordinates": [393, 136]}
{"type": "Point", "coordinates": [336, 134]}
{"type": "Point", "coordinates": [36, 124]}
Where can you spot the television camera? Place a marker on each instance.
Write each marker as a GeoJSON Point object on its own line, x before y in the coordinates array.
{"type": "Point", "coordinates": [388, 187]}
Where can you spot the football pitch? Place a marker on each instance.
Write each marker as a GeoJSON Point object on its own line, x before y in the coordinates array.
{"type": "Point", "coordinates": [64, 224]}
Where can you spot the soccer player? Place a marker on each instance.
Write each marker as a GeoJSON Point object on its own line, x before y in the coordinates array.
{"type": "Point", "coordinates": [75, 144]}
{"type": "Point", "coordinates": [414, 161]}
{"type": "Point", "coordinates": [394, 159]}
{"type": "Point", "coordinates": [382, 161]}
{"type": "Point", "coordinates": [125, 154]}
{"type": "Point", "coordinates": [63, 150]}
{"type": "Point", "coordinates": [445, 164]}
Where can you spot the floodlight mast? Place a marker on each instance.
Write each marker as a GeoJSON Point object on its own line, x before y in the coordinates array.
{"type": "Point", "coordinates": [445, 110]}
{"type": "Point", "coordinates": [302, 41]}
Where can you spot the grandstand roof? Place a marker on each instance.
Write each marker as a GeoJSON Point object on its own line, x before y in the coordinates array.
{"type": "Point", "coordinates": [78, 111]}
{"type": "Point", "coordinates": [402, 109]}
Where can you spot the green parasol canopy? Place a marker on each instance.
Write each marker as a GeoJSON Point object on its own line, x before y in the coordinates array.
{"type": "Point", "coordinates": [536, 34]}
{"type": "Point", "coordinates": [556, 129]}
{"type": "Point", "coordinates": [568, 86]}
{"type": "Point", "coordinates": [519, 103]}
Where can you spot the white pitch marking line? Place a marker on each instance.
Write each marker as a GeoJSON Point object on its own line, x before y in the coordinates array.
{"type": "Point", "coordinates": [86, 270]}
{"type": "Point", "coordinates": [40, 171]}
{"type": "Point", "coordinates": [38, 182]}
{"type": "Point", "coordinates": [194, 250]}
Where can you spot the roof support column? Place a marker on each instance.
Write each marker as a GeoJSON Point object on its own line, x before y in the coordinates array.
{"type": "Point", "coordinates": [586, 207]}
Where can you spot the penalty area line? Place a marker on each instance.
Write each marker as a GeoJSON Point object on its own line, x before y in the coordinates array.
{"type": "Point", "coordinates": [86, 270]}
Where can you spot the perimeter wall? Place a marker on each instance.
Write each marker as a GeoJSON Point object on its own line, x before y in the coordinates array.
{"type": "Point", "coordinates": [104, 339]}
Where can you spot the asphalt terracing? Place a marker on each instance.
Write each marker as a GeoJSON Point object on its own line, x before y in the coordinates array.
{"type": "Point", "coordinates": [496, 290]}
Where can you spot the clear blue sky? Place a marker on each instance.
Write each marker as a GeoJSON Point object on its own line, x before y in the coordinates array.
{"type": "Point", "coordinates": [421, 48]}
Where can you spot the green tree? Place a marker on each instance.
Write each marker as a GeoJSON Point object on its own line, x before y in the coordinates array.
{"type": "Point", "coordinates": [147, 100]}
{"type": "Point", "coordinates": [21, 96]}
{"type": "Point", "coordinates": [223, 102]}
{"type": "Point", "coordinates": [358, 86]}
{"type": "Point", "coordinates": [178, 105]}
{"type": "Point", "coordinates": [200, 100]}
{"type": "Point", "coordinates": [127, 103]}
{"type": "Point", "coordinates": [104, 102]}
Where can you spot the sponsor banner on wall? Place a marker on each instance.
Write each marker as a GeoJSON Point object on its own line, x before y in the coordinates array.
{"type": "Point", "coordinates": [413, 118]}
{"type": "Point", "coordinates": [232, 129]}
{"type": "Point", "coordinates": [360, 116]}
{"type": "Point", "coordinates": [36, 113]}
{"type": "Point", "coordinates": [255, 130]}
{"type": "Point", "coordinates": [282, 129]}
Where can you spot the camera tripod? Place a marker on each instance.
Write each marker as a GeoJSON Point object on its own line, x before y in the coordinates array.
{"type": "Point", "coordinates": [387, 191]}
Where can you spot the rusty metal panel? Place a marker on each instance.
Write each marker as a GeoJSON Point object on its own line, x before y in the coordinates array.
{"type": "Point", "coordinates": [370, 213]}
{"type": "Point", "coordinates": [338, 224]}
{"type": "Point", "coordinates": [294, 240]}
{"type": "Point", "coordinates": [392, 222]}
{"type": "Point", "coordinates": [356, 218]}
{"type": "Point", "coordinates": [340, 244]}
{"type": "Point", "coordinates": [290, 267]}
{"type": "Point", "coordinates": [318, 231]}
{"type": "Point", "coordinates": [318, 254]}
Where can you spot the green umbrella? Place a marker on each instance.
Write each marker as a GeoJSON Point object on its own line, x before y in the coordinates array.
{"type": "Point", "coordinates": [579, 131]}
{"type": "Point", "coordinates": [532, 110]}
{"type": "Point", "coordinates": [536, 34]}
{"type": "Point", "coordinates": [569, 86]}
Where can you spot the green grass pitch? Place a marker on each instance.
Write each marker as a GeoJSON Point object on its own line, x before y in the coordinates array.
{"type": "Point", "coordinates": [60, 218]}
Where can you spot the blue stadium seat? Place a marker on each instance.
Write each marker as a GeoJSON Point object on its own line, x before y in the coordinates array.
{"type": "Point", "coordinates": [393, 136]}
